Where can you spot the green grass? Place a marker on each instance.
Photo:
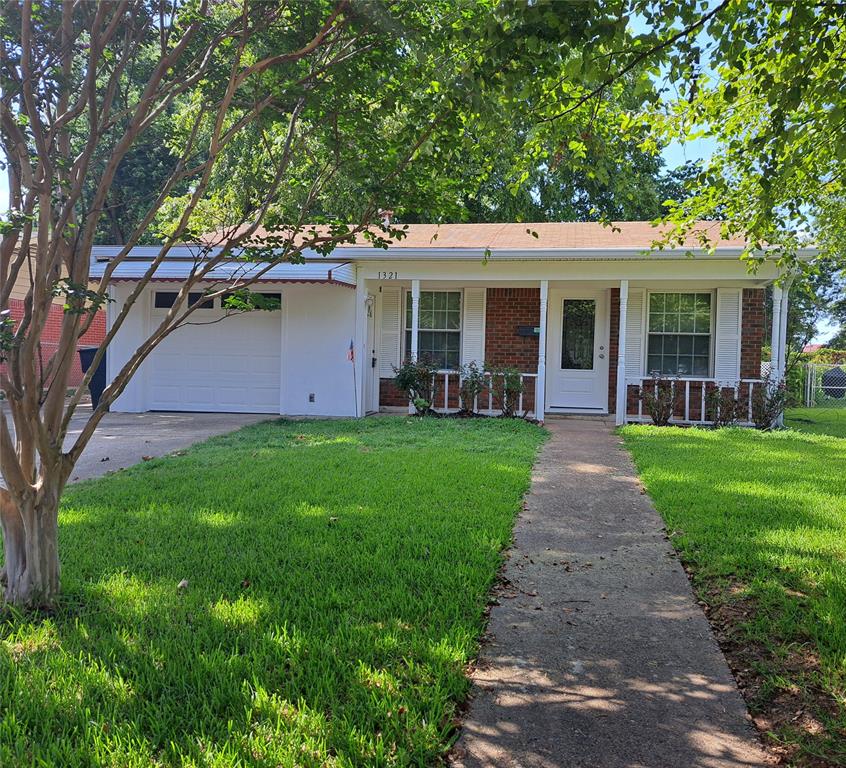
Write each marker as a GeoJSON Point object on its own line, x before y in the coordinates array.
{"type": "Point", "coordinates": [338, 576]}
{"type": "Point", "coordinates": [817, 421]}
{"type": "Point", "coordinates": [760, 519]}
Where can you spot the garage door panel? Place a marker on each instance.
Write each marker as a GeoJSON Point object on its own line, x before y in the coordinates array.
{"type": "Point", "coordinates": [233, 365]}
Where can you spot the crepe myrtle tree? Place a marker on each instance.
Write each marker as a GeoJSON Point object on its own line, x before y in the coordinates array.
{"type": "Point", "coordinates": [261, 105]}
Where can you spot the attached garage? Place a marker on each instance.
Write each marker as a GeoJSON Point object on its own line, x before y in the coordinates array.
{"type": "Point", "coordinates": [291, 360]}
{"type": "Point", "coordinates": [231, 365]}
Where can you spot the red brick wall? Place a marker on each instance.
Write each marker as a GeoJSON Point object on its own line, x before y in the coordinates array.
{"type": "Point", "coordinates": [52, 331]}
{"type": "Point", "coordinates": [752, 334]}
{"type": "Point", "coordinates": [506, 309]}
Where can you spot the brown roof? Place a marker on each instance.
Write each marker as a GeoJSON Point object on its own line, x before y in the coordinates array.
{"type": "Point", "coordinates": [571, 235]}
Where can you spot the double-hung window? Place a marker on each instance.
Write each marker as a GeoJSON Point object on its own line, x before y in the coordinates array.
{"type": "Point", "coordinates": [679, 334]}
{"type": "Point", "coordinates": [439, 334]}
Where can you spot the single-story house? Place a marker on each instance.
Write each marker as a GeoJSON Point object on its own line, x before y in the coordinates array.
{"type": "Point", "coordinates": [585, 312]}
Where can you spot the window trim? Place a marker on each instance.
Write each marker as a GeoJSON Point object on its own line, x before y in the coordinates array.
{"type": "Point", "coordinates": [712, 334]}
{"type": "Point", "coordinates": [405, 329]}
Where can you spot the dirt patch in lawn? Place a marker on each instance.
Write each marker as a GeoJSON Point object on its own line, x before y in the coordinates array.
{"type": "Point", "coordinates": [785, 716]}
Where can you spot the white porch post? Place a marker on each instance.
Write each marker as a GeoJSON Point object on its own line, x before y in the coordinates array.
{"type": "Point", "coordinates": [415, 326]}
{"type": "Point", "coordinates": [620, 410]}
{"type": "Point", "coordinates": [775, 335]}
{"type": "Point", "coordinates": [360, 345]}
{"type": "Point", "coordinates": [540, 381]}
{"type": "Point", "coordinates": [782, 335]}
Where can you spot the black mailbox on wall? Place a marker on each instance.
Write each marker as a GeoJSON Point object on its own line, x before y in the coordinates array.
{"type": "Point", "coordinates": [528, 330]}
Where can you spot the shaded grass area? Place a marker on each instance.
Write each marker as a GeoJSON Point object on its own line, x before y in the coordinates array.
{"type": "Point", "coordinates": [337, 574]}
{"type": "Point", "coordinates": [817, 421]}
{"type": "Point", "coordinates": [760, 522]}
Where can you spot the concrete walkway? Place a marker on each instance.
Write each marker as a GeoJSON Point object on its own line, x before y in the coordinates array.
{"type": "Point", "coordinates": [598, 655]}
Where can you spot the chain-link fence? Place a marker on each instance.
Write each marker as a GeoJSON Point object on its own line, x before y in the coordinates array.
{"type": "Point", "coordinates": [825, 385]}
{"type": "Point", "coordinates": [822, 404]}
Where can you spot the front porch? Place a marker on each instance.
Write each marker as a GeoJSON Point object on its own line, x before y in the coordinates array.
{"type": "Point", "coordinates": [580, 346]}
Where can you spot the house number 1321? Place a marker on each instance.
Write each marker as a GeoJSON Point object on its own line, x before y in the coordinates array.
{"type": "Point", "coordinates": [388, 276]}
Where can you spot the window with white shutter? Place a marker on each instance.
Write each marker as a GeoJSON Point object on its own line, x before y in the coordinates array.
{"type": "Point", "coordinates": [473, 332]}
{"type": "Point", "coordinates": [634, 333]}
{"type": "Point", "coordinates": [727, 336]}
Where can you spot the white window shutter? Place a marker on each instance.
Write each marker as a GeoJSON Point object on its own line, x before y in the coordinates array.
{"type": "Point", "coordinates": [727, 335]}
{"type": "Point", "coordinates": [635, 333]}
{"type": "Point", "coordinates": [473, 326]}
{"type": "Point", "coordinates": [389, 332]}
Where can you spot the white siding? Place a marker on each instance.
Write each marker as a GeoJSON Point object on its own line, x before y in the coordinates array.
{"type": "Point", "coordinates": [635, 332]}
{"type": "Point", "coordinates": [727, 334]}
{"type": "Point", "coordinates": [389, 332]}
{"type": "Point", "coordinates": [319, 324]}
{"type": "Point", "coordinates": [473, 330]}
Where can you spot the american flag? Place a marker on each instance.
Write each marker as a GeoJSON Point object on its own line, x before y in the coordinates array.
{"type": "Point", "coordinates": [351, 352]}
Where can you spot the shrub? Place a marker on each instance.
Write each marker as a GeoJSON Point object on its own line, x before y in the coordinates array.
{"type": "Point", "coordinates": [473, 382]}
{"type": "Point", "coordinates": [724, 406]}
{"type": "Point", "coordinates": [418, 380]}
{"type": "Point", "coordinates": [508, 385]}
{"type": "Point", "coordinates": [768, 403]}
{"type": "Point", "coordinates": [660, 398]}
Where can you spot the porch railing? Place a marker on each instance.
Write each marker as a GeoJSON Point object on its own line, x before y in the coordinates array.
{"type": "Point", "coordinates": [693, 398]}
{"type": "Point", "coordinates": [447, 398]}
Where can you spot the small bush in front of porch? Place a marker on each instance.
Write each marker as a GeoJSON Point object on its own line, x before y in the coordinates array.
{"type": "Point", "coordinates": [507, 383]}
{"type": "Point", "coordinates": [724, 406]}
{"type": "Point", "coordinates": [473, 383]}
{"type": "Point", "coordinates": [660, 398]}
{"type": "Point", "coordinates": [418, 380]}
{"type": "Point", "coordinates": [768, 404]}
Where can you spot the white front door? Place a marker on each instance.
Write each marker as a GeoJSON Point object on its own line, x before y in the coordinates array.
{"type": "Point", "coordinates": [577, 351]}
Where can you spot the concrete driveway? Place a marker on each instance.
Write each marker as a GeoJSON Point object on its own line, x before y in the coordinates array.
{"type": "Point", "coordinates": [124, 439]}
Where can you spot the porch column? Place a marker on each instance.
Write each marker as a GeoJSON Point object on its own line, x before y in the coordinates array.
{"type": "Point", "coordinates": [782, 335]}
{"type": "Point", "coordinates": [540, 385]}
{"type": "Point", "coordinates": [622, 390]}
{"type": "Point", "coordinates": [775, 335]}
{"type": "Point", "coordinates": [415, 325]}
{"type": "Point", "coordinates": [360, 345]}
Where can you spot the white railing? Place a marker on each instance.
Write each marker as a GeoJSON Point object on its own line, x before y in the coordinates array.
{"type": "Point", "coordinates": [694, 398]}
{"type": "Point", "coordinates": [443, 394]}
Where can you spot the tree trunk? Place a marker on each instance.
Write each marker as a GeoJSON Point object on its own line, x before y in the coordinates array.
{"type": "Point", "coordinates": [31, 549]}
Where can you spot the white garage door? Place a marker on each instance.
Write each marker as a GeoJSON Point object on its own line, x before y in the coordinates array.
{"type": "Point", "coordinates": [229, 366]}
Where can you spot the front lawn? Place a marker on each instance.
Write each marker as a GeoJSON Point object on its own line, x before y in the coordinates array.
{"type": "Point", "coordinates": [337, 573]}
{"type": "Point", "coordinates": [817, 421]}
{"type": "Point", "coordinates": [760, 522]}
